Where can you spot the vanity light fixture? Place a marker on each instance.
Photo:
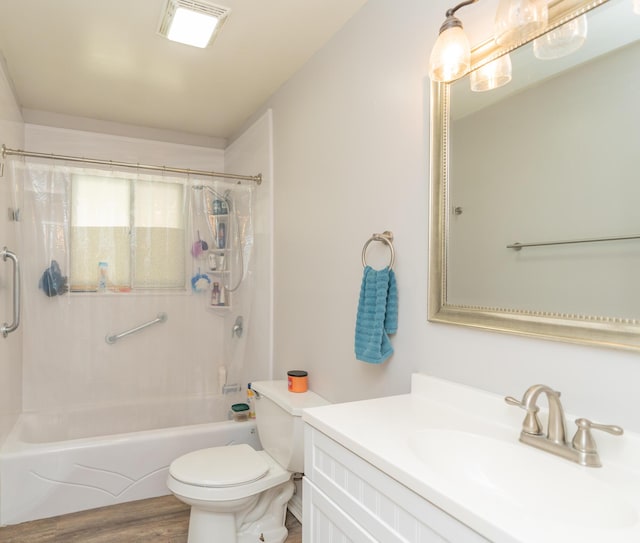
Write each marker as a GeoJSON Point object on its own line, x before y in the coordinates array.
{"type": "Point", "coordinates": [561, 41]}
{"type": "Point", "coordinates": [192, 22]}
{"type": "Point", "coordinates": [518, 19]}
{"type": "Point", "coordinates": [636, 7]}
{"type": "Point", "coordinates": [451, 54]}
{"type": "Point", "coordinates": [492, 75]}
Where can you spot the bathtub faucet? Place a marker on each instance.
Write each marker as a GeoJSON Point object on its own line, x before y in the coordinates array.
{"type": "Point", "coordinates": [230, 389]}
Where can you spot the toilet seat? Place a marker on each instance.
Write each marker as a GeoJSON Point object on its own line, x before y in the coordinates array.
{"type": "Point", "coordinates": [274, 475]}
{"type": "Point", "coordinates": [220, 467]}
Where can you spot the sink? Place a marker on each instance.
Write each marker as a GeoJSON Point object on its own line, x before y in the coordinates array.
{"type": "Point", "coordinates": [512, 475]}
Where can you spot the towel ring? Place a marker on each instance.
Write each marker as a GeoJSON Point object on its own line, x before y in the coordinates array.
{"type": "Point", "coordinates": [387, 238]}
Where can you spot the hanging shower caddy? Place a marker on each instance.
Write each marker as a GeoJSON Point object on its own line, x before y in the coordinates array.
{"type": "Point", "coordinates": [218, 257]}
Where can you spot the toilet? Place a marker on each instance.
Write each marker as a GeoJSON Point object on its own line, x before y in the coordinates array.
{"type": "Point", "coordinates": [238, 494]}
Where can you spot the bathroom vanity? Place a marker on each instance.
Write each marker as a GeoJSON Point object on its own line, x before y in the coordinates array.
{"type": "Point", "coordinates": [444, 463]}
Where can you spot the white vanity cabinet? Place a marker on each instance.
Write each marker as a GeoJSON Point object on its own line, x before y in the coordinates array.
{"type": "Point", "coordinates": [348, 499]}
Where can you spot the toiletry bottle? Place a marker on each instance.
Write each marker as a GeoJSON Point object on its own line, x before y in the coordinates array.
{"type": "Point", "coordinates": [221, 298]}
{"type": "Point", "coordinates": [215, 294]}
{"type": "Point", "coordinates": [222, 378]}
{"type": "Point", "coordinates": [250, 397]}
{"type": "Point", "coordinates": [103, 272]}
{"type": "Point", "coordinates": [222, 235]}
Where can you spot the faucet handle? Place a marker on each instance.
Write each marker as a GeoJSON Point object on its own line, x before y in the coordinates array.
{"type": "Point", "coordinates": [583, 440]}
{"type": "Point", "coordinates": [531, 423]}
{"type": "Point", "coordinates": [512, 401]}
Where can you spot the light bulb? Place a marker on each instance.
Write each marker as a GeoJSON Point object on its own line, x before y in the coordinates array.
{"type": "Point", "coordinates": [451, 55]}
{"type": "Point", "coordinates": [492, 75]}
{"type": "Point", "coordinates": [561, 41]}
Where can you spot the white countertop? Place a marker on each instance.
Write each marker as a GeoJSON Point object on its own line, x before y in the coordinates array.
{"type": "Point", "coordinates": [518, 494]}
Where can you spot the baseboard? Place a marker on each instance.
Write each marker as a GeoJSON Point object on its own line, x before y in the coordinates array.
{"type": "Point", "coordinates": [295, 503]}
{"type": "Point", "coordinates": [296, 509]}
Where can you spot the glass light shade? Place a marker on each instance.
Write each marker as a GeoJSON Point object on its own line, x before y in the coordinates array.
{"type": "Point", "coordinates": [492, 75]}
{"type": "Point", "coordinates": [562, 40]}
{"type": "Point", "coordinates": [636, 7]}
{"type": "Point", "coordinates": [451, 55]}
{"type": "Point", "coordinates": [518, 19]}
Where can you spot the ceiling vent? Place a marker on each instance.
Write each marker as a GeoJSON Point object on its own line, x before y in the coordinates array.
{"type": "Point", "coordinates": [192, 22]}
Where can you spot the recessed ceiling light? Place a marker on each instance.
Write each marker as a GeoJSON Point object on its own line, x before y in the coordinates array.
{"type": "Point", "coordinates": [192, 22]}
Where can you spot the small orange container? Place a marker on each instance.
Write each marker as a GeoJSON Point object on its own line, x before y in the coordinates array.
{"type": "Point", "coordinates": [297, 381]}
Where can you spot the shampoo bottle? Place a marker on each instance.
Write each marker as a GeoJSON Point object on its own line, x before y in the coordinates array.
{"type": "Point", "coordinates": [250, 401]}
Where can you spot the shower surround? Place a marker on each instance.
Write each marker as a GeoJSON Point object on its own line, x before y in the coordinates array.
{"type": "Point", "coordinates": [173, 363]}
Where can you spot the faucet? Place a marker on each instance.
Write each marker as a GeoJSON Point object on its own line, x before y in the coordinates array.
{"type": "Point", "coordinates": [582, 448]}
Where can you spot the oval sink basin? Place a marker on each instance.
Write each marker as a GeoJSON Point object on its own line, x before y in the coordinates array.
{"type": "Point", "coordinates": [543, 486]}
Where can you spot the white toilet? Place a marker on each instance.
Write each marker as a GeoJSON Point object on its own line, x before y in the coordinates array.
{"type": "Point", "coordinates": [238, 494]}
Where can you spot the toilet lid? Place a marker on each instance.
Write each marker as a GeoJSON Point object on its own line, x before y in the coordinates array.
{"type": "Point", "coordinates": [220, 466]}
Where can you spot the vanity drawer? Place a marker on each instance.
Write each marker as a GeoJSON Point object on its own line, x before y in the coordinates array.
{"type": "Point", "coordinates": [386, 509]}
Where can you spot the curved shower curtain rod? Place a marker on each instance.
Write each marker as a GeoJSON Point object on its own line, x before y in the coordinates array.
{"type": "Point", "coordinates": [17, 152]}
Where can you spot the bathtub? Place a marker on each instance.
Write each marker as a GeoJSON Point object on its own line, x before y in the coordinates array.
{"type": "Point", "coordinates": [57, 463]}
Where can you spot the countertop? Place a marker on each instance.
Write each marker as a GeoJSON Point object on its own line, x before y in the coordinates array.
{"type": "Point", "coordinates": [383, 431]}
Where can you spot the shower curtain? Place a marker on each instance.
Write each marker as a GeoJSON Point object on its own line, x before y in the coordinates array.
{"type": "Point", "coordinates": [105, 250]}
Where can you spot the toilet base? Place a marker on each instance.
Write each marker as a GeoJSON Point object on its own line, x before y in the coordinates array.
{"type": "Point", "coordinates": [262, 519]}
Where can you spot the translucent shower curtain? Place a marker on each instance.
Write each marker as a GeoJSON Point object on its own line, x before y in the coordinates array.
{"type": "Point", "coordinates": [107, 250]}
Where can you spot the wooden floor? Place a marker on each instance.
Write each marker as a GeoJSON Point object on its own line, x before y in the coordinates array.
{"type": "Point", "coordinates": [158, 520]}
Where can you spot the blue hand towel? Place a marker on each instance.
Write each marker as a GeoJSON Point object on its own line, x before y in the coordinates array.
{"type": "Point", "coordinates": [377, 315]}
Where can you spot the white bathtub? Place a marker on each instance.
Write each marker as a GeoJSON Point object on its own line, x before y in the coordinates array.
{"type": "Point", "coordinates": [52, 464]}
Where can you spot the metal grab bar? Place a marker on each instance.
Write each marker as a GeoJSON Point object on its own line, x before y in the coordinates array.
{"type": "Point", "coordinates": [517, 246]}
{"type": "Point", "coordinates": [6, 329]}
{"type": "Point", "coordinates": [111, 339]}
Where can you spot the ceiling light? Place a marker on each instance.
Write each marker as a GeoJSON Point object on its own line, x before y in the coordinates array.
{"type": "Point", "coordinates": [451, 54]}
{"type": "Point", "coordinates": [192, 22]}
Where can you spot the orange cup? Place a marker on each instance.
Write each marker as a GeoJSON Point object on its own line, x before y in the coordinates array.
{"type": "Point", "coordinates": [297, 381]}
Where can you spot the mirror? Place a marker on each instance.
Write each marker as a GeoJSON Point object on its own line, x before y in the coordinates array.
{"type": "Point", "coordinates": [534, 221]}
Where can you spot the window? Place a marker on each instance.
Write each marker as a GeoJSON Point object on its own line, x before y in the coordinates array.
{"type": "Point", "coordinates": [135, 228]}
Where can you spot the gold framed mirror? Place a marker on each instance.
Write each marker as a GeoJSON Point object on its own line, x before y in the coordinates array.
{"type": "Point", "coordinates": [567, 270]}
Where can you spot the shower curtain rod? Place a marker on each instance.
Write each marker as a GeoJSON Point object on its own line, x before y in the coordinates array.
{"type": "Point", "coordinates": [17, 152]}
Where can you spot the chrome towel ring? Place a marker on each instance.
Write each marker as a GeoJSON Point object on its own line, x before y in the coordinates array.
{"type": "Point", "coordinates": [387, 238]}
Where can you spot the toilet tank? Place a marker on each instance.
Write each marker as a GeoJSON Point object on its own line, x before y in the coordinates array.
{"type": "Point", "coordinates": [279, 421]}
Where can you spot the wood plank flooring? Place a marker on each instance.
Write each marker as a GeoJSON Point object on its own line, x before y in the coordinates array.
{"type": "Point", "coordinates": [157, 520]}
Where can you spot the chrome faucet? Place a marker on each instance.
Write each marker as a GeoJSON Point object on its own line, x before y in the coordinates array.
{"type": "Point", "coordinates": [582, 448]}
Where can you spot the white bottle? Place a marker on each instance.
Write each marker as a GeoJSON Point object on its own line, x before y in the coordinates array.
{"type": "Point", "coordinates": [103, 273]}
{"type": "Point", "coordinates": [222, 378]}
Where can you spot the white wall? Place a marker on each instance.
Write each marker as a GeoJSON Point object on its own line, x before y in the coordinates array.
{"type": "Point", "coordinates": [12, 135]}
{"type": "Point", "coordinates": [351, 158]}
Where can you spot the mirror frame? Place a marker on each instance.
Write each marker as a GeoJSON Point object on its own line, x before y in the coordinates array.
{"type": "Point", "coordinates": [591, 330]}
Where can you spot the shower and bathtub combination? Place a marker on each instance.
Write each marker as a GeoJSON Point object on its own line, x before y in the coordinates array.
{"type": "Point", "coordinates": [115, 392]}
{"type": "Point", "coordinates": [52, 464]}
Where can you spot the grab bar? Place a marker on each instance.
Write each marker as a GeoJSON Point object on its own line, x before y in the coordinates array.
{"type": "Point", "coordinates": [517, 245]}
{"type": "Point", "coordinates": [162, 317]}
{"type": "Point", "coordinates": [6, 329]}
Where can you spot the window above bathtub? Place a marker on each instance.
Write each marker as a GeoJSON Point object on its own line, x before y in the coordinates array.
{"type": "Point", "coordinates": [126, 234]}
